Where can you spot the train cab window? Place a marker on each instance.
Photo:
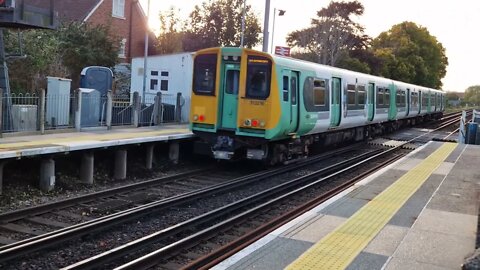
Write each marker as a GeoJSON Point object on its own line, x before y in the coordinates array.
{"type": "Point", "coordinates": [319, 93]}
{"type": "Point", "coordinates": [258, 77]}
{"type": "Point", "coordinates": [293, 87]}
{"type": "Point", "coordinates": [204, 74]}
{"type": "Point", "coordinates": [380, 93]}
{"type": "Point", "coordinates": [361, 95]}
{"type": "Point", "coordinates": [232, 80]}
{"type": "Point", "coordinates": [351, 94]}
{"type": "Point", "coordinates": [285, 88]}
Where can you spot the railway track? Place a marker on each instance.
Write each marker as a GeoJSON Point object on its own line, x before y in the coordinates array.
{"type": "Point", "coordinates": [21, 224]}
{"type": "Point", "coordinates": [174, 210]}
{"type": "Point", "coordinates": [189, 241]}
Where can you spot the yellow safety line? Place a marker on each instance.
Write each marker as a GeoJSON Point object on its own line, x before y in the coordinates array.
{"type": "Point", "coordinates": [340, 247]}
{"type": "Point", "coordinates": [90, 137]}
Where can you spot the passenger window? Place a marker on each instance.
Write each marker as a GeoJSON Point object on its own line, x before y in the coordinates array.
{"type": "Point", "coordinates": [293, 88]}
{"type": "Point", "coordinates": [386, 100]}
{"type": "Point", "coordinates": [380, 93]}
{"type": "Point", "coordinates": [319, 93]}
{"type": "Point", "coordinates": [285, 88]}
{"type": "Point", "coordinates": [233, 78]}
{"type": "Point", "coordinates": [361, 94]}
{"type": "Point", "coordinates": [351, 94]}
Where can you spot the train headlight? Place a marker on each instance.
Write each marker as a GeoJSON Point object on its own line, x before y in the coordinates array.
{"type": "Point", "coordinates": [255, 123]}
{"type": "Point", "coordinates": [262, 124]}
{"type": "Point", "coordinates": [201, 118]}
{"type": "Point", "coordinates": [247, 122]}
{"type": "Point", "coordinates": [195, 117]}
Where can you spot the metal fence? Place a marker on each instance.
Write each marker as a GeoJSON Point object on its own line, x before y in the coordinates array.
{"type": "Point", "coordinates": [85, 109]}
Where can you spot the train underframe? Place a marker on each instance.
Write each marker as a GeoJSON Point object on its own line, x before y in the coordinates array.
{"type": "Point", "coordinates": [225, 145]}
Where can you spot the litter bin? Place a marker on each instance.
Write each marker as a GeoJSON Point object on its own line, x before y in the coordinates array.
{"type": "Point", "coordinates": [90, 107]}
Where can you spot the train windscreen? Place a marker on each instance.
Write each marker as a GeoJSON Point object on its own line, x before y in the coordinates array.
{"type": "Point", "coordinates": [258, 77]}
{"type": "Point", "coordinates": [204, 74]}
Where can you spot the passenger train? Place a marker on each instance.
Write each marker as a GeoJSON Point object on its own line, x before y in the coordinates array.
{"type": "Point", "coordinates": [250, 104]}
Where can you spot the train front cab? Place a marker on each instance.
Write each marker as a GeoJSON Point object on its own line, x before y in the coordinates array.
{"type": "Point", "coordinates": [216, 80]}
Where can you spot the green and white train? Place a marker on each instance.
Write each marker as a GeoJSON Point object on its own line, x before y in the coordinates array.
{"type": "Point", "coordinates": [255, 105]}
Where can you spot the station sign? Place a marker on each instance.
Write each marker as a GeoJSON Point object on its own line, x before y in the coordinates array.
{"type": "Point", "coordinates": [284, 51]}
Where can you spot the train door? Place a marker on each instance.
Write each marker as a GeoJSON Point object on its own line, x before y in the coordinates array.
{"type": "Point", "coordinates": [371, 101]}
{"type": "Point", "coordinates": [420, 101]}
{"type": "Point", "coordinates": [231, 80]}
{"type": "Point", "coordinates": [407, 109]}
{"type": "Point", "coordinates": [294, 108]}
{"type": "Point", "coordinates": [336, 102]}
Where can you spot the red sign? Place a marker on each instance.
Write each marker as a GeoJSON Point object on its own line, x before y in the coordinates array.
{"type": "Point", "coordinates": [284, 51]}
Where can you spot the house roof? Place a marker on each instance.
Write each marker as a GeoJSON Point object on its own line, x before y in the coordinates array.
{"type": "Point", "coordinates": [76, 10]}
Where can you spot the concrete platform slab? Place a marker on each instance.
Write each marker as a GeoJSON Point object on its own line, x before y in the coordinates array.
{"type": "Point", "coordinates": [275, 255]}
{"type": "Point", "coordinates": [368, 261]}
{"type": "Point", "coordinates": [408, 164]}
{"type": "Point", "coordinates": [346, 208]}
{"type": "Point", "coordinates": [409, 264]}
{"type": "Point", "coordinates": [446, 250]}
{"type": "Point", "coordinates": [447, 222]}
{"type": "Point", "coordinates": [387, 241]}
{"type": "Point", "coordinates": [317, 229]}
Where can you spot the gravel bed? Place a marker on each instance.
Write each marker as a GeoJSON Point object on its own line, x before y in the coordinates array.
{"type": "Point", "coordinates": [20, 186]}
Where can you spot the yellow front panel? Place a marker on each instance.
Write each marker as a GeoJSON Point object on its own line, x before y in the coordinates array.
{"type": "Point", "coordinates": [266, 110]}
{"type": "Point", "coordinates": [339, 248]}
{"type": "Point", "coordinates": [207, 105]}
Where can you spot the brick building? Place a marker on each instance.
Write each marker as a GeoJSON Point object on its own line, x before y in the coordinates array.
{"type": "Point", "coordinates": [125, 17]}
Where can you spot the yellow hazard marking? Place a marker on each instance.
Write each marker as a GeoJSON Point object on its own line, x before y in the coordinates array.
{"type": "Point", "coordinates": [39, 142]}
{"type": "Point", "coordinates": [340, 247]}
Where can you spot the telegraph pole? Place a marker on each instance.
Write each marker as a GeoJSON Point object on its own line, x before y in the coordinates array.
{"type": "Point", "coordinates": [243, 23]}
{"type": "Point", "coordinates": [145, 56]}
{"type": "Point", "coordinates": [265, 26]}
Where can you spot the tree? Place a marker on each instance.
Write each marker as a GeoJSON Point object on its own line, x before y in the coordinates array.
{"type": "Point", "coordinates": [409, 53]}
{"type": "Point", "coordinates": [472, 95]}
{"type": "Point", "coordinates": [84, 45]}
{"type": "Point", "coordinates": [62, 53]}
{"type": "Point", "coordinates": [219, 23]}
{"type": "Point", "coordinates": [171, 36]}
{"type": "Point", "coordinates": [39, 59]}
{"type": "Point", "coordinates": [332, 35]}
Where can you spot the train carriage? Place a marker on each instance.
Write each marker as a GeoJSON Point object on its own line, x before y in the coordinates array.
{"type": "Point", "coordinates": [251, 104]}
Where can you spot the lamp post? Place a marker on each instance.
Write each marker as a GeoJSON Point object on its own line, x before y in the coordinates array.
{"type": "Point", "coordinates": [281, 12]}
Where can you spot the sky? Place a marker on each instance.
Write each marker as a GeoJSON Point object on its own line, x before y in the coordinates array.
{"type": "Point", "coordinates": [455, 24]}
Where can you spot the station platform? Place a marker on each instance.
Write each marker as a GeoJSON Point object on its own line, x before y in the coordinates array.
{"type": "Point", "coordinates": [418, 213]}
{"type": "Point", "coordinates": [33, 145]}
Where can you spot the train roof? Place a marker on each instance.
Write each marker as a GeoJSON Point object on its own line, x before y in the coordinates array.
{"type": "Point", "coordinates": [299, 63]}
